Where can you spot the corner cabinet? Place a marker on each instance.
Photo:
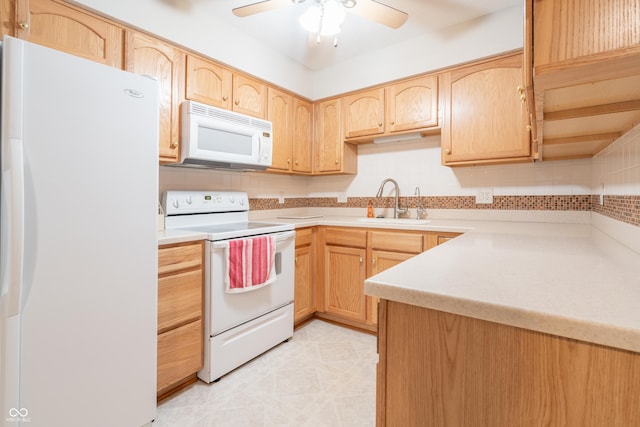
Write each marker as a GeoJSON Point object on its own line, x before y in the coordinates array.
{"type": "Point", "coordinates": [149, 56]}
{"type": "Point", "coordinates": [180, 315]}
{"type": "Point", "coordinates": [332, 154]}
{"type": "Point", "coordinates": [65, 28]}
{"type": "Point", "coordinates": [485, 118]}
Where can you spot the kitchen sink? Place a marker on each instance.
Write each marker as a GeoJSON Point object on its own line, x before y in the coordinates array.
{"type": "Point", "coordinates": [408, 221]}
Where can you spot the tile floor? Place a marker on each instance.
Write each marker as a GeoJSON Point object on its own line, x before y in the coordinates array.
{"type": "Point", "coordinates": [324, 376]}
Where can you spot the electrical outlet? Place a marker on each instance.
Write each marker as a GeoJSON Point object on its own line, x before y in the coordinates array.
{"type": "Point", "coordinates": [484, 197]}
{"type": "Point", "coordinates": [281, 198]}
{"type": "Point", "coordinates": [342, 197]}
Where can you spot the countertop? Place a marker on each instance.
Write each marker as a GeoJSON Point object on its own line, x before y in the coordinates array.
{"type": "Point", "coordinates": [570, 280]}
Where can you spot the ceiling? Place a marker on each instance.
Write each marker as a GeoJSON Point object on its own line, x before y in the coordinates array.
{"type": "Point", "coordinates": [280, 30]}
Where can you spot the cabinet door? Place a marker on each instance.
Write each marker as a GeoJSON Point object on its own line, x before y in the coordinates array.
{"type": "Point", "coordinates": [344, 282]}
{"type": "Point", "coordinates": [302, 136]}
{"type": "Point", "coordinates": [364, 113]}
{"type": "Point", "coordinates": [328, 142]}
{"type": "Point", "coordinates": [412, 104]}
{"type": "Point", "coordinates": [63, 28]}
{"type": "Point", "coordinates": [208, 82]}
{"type": "Point", "coordinates": [380, 261]}
{"type": "Point", "coordinates": [149, 56]}
{"type": "Point", "coordinates": [486, 118]}
{"type": "Point", "coordinates": [280, 113]}
{"type": "Point", "coordinates": [303, 300]}
{"type": "Point", "coordinates": [249, 96]}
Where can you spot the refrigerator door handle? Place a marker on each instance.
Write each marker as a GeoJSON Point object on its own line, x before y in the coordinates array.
{"type": "Point", "coordinates": [15, 203]}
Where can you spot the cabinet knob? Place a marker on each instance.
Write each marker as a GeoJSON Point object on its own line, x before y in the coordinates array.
{"type": "Point", "coordinates": [373, 260]}
{"type": "Point", "coordinates": [520, 90]}
{"type": "Point", "coordinates": [288, 161]}
{"type": "Point", "coordinates": [337, 162]}
{"type": "Point", "coordinates": [523, 98]}
{"type": "Point", "coordinates": [174, 144]}
{"type": "Point", "coordinates": [225, 97]}
{"type": "Point", "coordinates": [296, 260]}
{"type": "Point", "coordinates": [447, 151]}
{"type": "Point", "coordinates": [237, 102]}
{"type": "Point", "coordinates": [296, 162]}
{"type": "Point", "coordinates": [529, 128]}
{"type": "Point", "coordinates": [361, 260]}
{"type": "Point", "coordinates": [24, 25]}
{"type": "Point", "coordinates": [393, 122]}
{"type": "Point", "coordinates": [379, 124]}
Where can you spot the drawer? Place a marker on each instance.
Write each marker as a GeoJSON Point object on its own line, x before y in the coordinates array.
{"type": "Point", "coordinates": [397, 242]}
{"type": "Point", "coordinates": [179, 257]}
{"type": "Point", "coordinates": [304, 237]}
{"type": "Point", "coordinates": [179, 299]}
{"type": "Point", "coordinates": [346, 237]}
{"type": "Point", "coordinates": [179, 354]}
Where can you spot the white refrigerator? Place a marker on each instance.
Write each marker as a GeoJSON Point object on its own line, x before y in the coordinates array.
{"type": "Point", "coordinates": [78, 258]}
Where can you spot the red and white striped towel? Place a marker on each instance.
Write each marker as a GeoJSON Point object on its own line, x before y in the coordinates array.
{"type": "Point", "coordinates": [250, 263]}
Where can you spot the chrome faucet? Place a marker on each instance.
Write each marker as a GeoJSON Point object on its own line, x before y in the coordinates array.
{"type": "Point", "coordinates": [396, 209]}
{"type": "Point", "coordinates": [420, 209]}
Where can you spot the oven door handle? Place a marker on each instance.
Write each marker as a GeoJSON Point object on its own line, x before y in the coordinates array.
{"type": "Point", "coordinates": [280, 237]}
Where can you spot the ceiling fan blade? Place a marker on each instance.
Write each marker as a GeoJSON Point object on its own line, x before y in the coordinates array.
{"type": "Point", "coordinates": [379, 12]}
{"type": "Point", "coordinates": [259, 7]}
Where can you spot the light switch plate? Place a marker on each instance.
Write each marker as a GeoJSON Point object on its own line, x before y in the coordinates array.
{"type": "Point", "coordinates": [342, 197]}
{"type": "Point", "coordinates": [484, 196]}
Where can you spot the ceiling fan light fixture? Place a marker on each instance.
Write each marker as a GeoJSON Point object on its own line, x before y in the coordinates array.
{"type": "Point", "coordinates": [349, 3]}
{"type": "Point", "coordinates": [323, 17]}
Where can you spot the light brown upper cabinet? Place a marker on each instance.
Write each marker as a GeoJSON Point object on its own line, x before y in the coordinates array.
{"type": "Point", "coordinates": [280, 113]}
{"type": "Point", "coordinates": [214, 84]}
{"type": "Point", "coordinates": [412, 104]}
{"type": "Point", "coordinates": [486, 115]}
{"type": "Point", "coordinates": [67, 29]}
{"type": "Point", "coordinates": [405, 106]}
{"type": "Point", "coordinates": [149, 56]}
{"type": "Point", "coordinates": [292, 120]}
{"type": "Point", "coordinates": [208, 82]}
{"type": "Point", "coordinates": [586, 73]}
{"type": "Point", "coordinates": [332, 154]}
{"type": "Point", "coordinates": [302, 136]}
{"type": "Point", "coordinates": [249, 96]}
{"type": "Point", "coordinates": [364, 113]}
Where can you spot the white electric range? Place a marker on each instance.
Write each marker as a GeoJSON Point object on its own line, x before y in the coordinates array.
{"type": "Point", "coordinates": [238, 326]}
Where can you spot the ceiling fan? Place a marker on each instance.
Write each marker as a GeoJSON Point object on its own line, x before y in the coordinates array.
{"type": "Point", "coordinates": [370, 9]}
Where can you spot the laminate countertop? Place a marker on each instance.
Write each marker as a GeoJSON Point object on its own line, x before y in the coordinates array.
{"type": "Point", "coordinates": [570, 280]}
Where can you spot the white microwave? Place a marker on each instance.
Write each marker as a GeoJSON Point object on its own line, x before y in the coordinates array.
{"type": "Point", "coordinates": [216, 138]}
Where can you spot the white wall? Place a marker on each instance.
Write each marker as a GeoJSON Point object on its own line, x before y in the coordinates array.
{"type": "Point", "coordinates": [488, 35]}
{"type": "Point", "coordinates": [198, 29]}
{"type": "Point", "coordinates": [202, 32]}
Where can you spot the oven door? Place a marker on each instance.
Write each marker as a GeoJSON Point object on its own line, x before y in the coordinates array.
{"type": "Point", "coordinates": [226, 310]}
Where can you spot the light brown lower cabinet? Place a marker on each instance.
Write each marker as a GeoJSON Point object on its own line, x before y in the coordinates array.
{"type": "Point", "coordinates": [442, 369]}
{"type": "Point", "coordinates": [180, 315]}
{"type": "Point", "coordinates": [304, 301]}
{"type": "Point", "coordinates": [353, 254]}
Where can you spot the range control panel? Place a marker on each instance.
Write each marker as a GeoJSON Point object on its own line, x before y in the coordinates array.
{"type": "Point", "coordinates": [198, 202]}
